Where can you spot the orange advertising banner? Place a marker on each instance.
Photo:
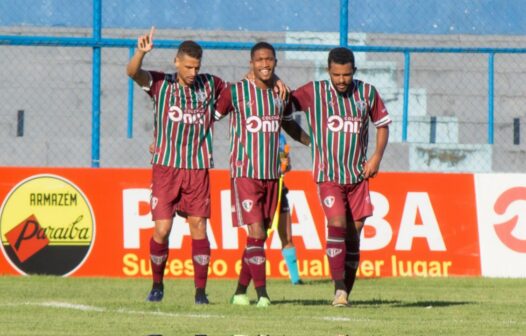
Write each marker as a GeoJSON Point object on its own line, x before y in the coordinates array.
{"type": "Point", "coordinates": [97, 222]}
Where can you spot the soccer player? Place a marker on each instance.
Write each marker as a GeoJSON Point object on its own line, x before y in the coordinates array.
{"type": "Point", "coordinates": [182, 154]}
{"type": "Point", "coordinates": [288, 250]}
{"type": "Point", "coordinates": [338, 112]}
{"type": "Point", "coordinates": [256, 117]}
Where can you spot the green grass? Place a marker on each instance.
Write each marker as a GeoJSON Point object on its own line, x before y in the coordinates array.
{"type": "Point", "coordinates": [42, 305]}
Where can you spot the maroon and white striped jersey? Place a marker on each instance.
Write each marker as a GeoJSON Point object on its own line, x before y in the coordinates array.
{"type": "Point", "coordinates": [255, 125]}
{"type": "Point", "coordinates": [338, 126]}
{"type": "Point", "coordinates": [184, 119]}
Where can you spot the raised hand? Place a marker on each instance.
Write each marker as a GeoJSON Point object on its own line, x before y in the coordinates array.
{"type": "Point", "coordinates": [145, 42]}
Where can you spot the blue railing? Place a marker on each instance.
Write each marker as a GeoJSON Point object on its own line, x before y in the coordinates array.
{"type": "Point", "coordinates": [97, 42]}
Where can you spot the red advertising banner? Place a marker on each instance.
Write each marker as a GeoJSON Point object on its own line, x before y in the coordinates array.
{"type": "Point", "coordinates": [97, 222]}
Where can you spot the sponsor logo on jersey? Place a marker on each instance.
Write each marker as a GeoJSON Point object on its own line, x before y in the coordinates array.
{"type": "Point", "coordinates": [202, 259]}
{"type": "Point", "coordinates": [337, 123]}
{"type": "Point", "coordinates": [47, 226]}
{"type": "Point", "coordinates": [329, 201]}
{"type": "Point", "coordinates": [333, 252]}
{"type": "Point", "coordinates": [247, 205]}
{"type": "Point", "coordinates": [188, 116]}
{"type": "Point", "coordinates": [256, 260]}
{"type": "Point", "coordinates": [265, 124]}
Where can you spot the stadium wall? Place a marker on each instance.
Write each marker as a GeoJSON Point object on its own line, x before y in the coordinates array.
{"type": "Point", "coordinates": [96, 222]}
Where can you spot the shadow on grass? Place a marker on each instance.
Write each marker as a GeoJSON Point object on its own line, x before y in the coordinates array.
{"type": "Point", "coordinates": [431, 304]}
{"type": "Point", "coordinates": [377, 302]}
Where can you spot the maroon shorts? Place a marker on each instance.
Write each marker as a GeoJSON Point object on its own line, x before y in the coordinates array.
{"type": "Point", "coordinates": [340, 199]}
{"type": "Point", "coordinates": [182, 191]}
{"type": "Point", "coordinates": [253, 200]}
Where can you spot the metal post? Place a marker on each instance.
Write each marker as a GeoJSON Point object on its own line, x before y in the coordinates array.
{"type": "Point", "coordinates": [405, 112]}
{"type": "Point", "coordinates": [516, 131]}
{"type": "Point", "coordinates": [95, 93]}
{"type": "Point", "coordinates": [20, 123]}
{"type": "Point", "coordinates": [344, 23]}
{"type": "Point", "coordinates": [433, 130]}
{"type": "Point", "coordinates": [491, 92]}
{"type": "Point", "coordinates": [130, 101]}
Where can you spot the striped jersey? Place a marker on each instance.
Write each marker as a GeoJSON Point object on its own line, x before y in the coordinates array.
{"type": "Point", "coordinates": [338, 126]}
{"type": "Point", "coordinates": [255, 125]}
{"type": "Point", "coordinates": [183, 123]}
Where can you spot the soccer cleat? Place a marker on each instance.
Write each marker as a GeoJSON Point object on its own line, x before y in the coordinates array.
{"type": "Point", "coordinates": [299, 282]}
{"type": "Point", "coordinates": [200, 298]}
{"type": "Point", "coordinates": [263, 302]}
{"type": "Point", "coordinates": [240, 300]}
{"type": "Point", "coordinates": [155, 295]}
{"type": "Point", "coordinates": [340, 299]}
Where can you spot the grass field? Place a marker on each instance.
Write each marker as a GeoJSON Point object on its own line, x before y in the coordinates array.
{"type": "Point", "coordinates": [42, 305]}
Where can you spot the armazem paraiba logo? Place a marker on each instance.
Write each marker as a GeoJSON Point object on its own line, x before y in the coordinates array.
{"type": "Point", "coordinates": [47, 226]}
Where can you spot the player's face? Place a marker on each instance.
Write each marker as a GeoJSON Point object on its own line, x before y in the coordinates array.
{"type": "Point", "coordinates": [341, 76]}
{"type": "Point", "coordinates": [263, 63]}
{"type": "Point", "coordinates": [187, 69]}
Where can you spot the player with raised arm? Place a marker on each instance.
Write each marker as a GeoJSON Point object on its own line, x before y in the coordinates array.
{"type": "Point", "coordinates": [256, 117]}
{"type": "Point", "coordinates": [338, 113]}
{"type": "Point", "coordinates": [182, 154]}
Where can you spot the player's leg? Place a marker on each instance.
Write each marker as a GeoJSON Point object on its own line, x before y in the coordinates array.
{"type": "Point", "coordinates": [256, 257]}
{"type": "Point", "coordinates": [288, 250]}
{"type": "Point", "coordinates": [194, 204]}
{"type": "Point", "coordinates": [165, 190]}
{"type": "Point", "coordinates": [334, 205]}
{"type": "Point", "coordinates": [158, 257]}
{"type": "Point", "coordinates": [237, 196]}
{"type": "Point", "coordinates": [360, 208]}
{"type": "Point", "coordinates": [200, 256]}
{"type": "Point", "coordinates": [352, 258]}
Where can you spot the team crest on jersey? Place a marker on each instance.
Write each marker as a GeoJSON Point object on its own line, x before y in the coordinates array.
{"type": "Point", "coordinates": [361, 106]}
{"type": "Point", "coordinates": [257, 260]}
{"type": "Point", "coordinates": [154, 202]}
{"type": "Point", "coordinates": [201, 96]}
{"type": "Point", "coordinates": [247, 205]}
{"type": "Point", "coordinates": [202, 259]}
{"type": "Point", "coordinates": [333, 252]}
{"type": "Point", "coordinates": [329, 201]}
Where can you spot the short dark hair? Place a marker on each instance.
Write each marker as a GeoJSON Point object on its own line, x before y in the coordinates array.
{"type": "Point", "coordinates": [341, 55]}
{"type": "Point", "coordinates": [262, 45]}
{"type": "Point", "coordinates": [190, 48]}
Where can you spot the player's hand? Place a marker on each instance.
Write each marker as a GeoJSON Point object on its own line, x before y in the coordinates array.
{"type": "Point", "coordinates": [145, 42]}
{"type": "Point", "coordinates": [151, 148]}
{"type": "Point", "coordinates": [371, 167]}
{"type": "Point", "coordinates": [281, 89]}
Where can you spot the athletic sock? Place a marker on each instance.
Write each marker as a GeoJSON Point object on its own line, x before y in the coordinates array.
{"type": "Point", "coordinates": [336, 251]}
{"type": "Point", "coordinates": [158, 257]}
{"type": "Point", "coordinates": [200, 260]}
{"type": "Point", "coordinates": [262, 292]}
{"type": "Point", "coordinates": [289, 254]}
{"type": "Point", "coordinates": [352, 260]}
{"type": "Point", "coordinates": [244, 275]}
{"type": "Point", "coordinates": [255, 254]}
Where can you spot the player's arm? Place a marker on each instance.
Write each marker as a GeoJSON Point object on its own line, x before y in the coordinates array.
{"type": "Point", "coordinates": [223, 104]}
{"type": "Point", "coordinates": [134, 67]}
{"type": "Point", "coordinates": [373, 164]}
{"type": "Point", "coordinates": [294, 130]}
